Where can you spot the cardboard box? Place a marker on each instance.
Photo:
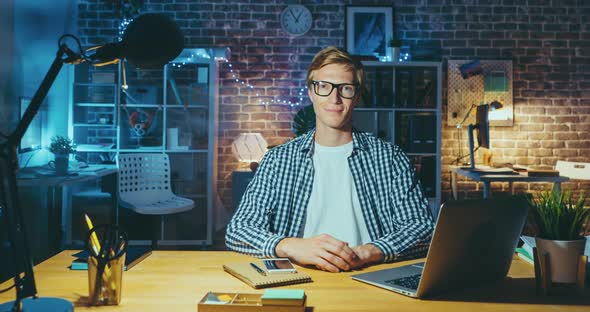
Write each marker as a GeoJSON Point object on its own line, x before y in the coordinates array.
{"type": "Point", "coordinates": [245, 303]}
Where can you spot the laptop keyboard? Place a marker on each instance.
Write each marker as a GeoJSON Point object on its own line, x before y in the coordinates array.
{"type": "Point", "coordinates": [410, 282]}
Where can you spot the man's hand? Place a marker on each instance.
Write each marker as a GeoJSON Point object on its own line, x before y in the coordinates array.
{"type": "Point", "coordinates": [324, 251]}
{"type": "Point", "coordinates": [367, 254]}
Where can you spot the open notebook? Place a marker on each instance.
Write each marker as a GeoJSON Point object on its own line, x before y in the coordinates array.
{"type": "Point", "coordinates": [247, 274]}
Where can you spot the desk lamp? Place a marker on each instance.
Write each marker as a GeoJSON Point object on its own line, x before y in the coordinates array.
{"type": "Point", "coordinates": [482, 127]}
{"type": "Point", "coordinates": [150, 41]}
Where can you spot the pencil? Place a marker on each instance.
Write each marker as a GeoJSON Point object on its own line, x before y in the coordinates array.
{"type": "Point", "coordinates": [93, 238]}
{"type": "Point", "coordinates": [96, 246]}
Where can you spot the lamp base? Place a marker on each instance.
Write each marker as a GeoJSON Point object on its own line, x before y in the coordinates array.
{"type": "Point", "coordinates": [40, 304]}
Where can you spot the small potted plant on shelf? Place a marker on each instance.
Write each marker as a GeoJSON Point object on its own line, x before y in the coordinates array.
{"type": "Point", "coordinates": [395, 46]}
{"type": "Point", "coordinates": [61, 147]}
{"type": "Point", "coordinates": [560, 223]}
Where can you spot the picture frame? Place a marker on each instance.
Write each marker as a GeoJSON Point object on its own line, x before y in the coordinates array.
{"type": "Point", "coordinates": [368, 29]}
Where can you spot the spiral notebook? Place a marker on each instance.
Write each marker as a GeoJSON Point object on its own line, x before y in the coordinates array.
{"type": "Point", "coordinates": [247, 274]}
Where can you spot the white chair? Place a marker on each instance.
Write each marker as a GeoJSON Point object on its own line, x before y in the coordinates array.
{"type": "Point", "coordinates": [573, 170]}
{"type": "Point", "coordinates": [144, 186]}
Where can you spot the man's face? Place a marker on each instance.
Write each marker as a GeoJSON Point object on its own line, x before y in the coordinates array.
{"type": "Point", "coordinates": [333, 111]}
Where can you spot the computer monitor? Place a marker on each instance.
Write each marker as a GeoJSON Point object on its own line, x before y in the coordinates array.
{"type": "Point", "coordinates": [483, 132]}
{"type": "Point", "coordinates": [32, 139]}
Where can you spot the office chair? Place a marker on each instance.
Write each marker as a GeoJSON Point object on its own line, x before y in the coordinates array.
{"type": "Point", "coordinates": [144, 187]}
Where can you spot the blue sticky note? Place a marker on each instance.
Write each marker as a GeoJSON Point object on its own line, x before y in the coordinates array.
{"type": "Point", "coordinates": [283, 294]}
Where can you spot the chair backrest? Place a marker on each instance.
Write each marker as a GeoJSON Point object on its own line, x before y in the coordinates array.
{"type": "Point", "coordinates": [573, 170]}
{"type": "Point", "coordinates": [144, 177]}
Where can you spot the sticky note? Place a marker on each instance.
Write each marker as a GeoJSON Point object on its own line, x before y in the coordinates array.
{"type": "Point", "coordinates": [283, 294]}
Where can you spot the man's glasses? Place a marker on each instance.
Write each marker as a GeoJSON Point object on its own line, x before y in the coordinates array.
{"type": "Point", "coordinates": [325, 88]}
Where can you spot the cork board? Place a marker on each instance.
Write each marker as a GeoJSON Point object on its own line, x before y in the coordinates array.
{"type": "Point", "coordinates": [493, 83]}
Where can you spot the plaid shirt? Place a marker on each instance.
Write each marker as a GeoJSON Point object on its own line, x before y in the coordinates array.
{"type": "Point", "coordinates": [274, 204]}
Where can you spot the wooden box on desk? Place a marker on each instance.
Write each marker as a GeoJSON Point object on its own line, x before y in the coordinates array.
{"type": "Point", "coordinates": [246, 303]}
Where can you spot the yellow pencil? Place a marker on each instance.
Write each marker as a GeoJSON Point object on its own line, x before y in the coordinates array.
{"type": "Point", "coordinates": [93, 238]}
{"type": "Point", "coordinates": [96, 246]}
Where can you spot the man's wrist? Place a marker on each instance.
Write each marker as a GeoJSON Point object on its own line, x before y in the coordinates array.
{"type": "Point", "coordinates": [281, 249]}
{"type": "Point", "coordinates": [375, 254]}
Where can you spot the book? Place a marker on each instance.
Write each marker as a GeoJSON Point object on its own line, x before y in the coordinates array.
{"type": "Point", "coordinates": [524, 255]}
{"type": "Point", "coordinates": [542, 173]}
{"type": "Point", "coordinates": [247, 274]}
{"type": "Point", "coordinates": [290, 297]}
{"type": "Point", "coordinates": [133, 256]}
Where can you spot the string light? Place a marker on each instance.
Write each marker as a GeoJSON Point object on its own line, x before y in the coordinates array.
{"type": "Point", "coordinates": [403, 57]}
{"type": "Point", "coordinates": [274, 100]}
{"type": "Point", "coordinates": [123, 25]}
{"type": "Point", "coordinates": [202, 54]}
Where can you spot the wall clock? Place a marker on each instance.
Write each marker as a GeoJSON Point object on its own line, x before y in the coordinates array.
{"type": "Point", "coordinates": [296, 19]}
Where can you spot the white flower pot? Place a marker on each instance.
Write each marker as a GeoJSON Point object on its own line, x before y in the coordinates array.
{"type": "Point", "coordinates": [563, 258]}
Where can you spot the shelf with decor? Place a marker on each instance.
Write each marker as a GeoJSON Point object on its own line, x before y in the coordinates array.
{"type": "Point", "coordinates": [402, 104]}
{"type": "Point", "coordinates": [172, 110]}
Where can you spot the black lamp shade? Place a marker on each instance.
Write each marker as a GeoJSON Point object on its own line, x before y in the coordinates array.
{"type": "Point", "coordinates": [152, 40]}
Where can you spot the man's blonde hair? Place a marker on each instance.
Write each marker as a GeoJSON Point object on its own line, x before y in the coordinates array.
{"type": "Point", "coordinates": [334, 55]}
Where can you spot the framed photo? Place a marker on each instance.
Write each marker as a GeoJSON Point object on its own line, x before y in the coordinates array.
{"type": "Point", "coordinates": [368, 29]}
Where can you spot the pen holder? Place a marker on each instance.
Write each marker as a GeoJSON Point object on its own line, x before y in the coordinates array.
{"type": "Point", "coordinates": [107, 246]}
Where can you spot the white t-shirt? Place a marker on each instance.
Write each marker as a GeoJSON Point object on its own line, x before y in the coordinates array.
{"type": "Point", "coordinates": [334, 206]}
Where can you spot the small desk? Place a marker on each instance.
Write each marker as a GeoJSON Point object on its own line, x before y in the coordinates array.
{"type": "Point", "coordinates": [487, 178]}
{"type": "Point", "coordinates": [177, 280]}
{"type": "Point", "coordinates": [41, 176]}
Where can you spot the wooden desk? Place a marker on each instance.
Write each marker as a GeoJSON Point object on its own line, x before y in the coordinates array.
{"type": "Point", "coordinates": [176, 280]}
{"type": "Point", "coordinates": [488, 178]}
{"type": "Point", "coordinates": [59, 185]}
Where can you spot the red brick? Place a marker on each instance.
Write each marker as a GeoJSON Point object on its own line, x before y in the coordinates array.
{"type": "Point", "coordinates": [263, 116]}
{"type": "Point", "coordinates": [566, 136]}
{"type": "Point", "coordinates": [252, 125]}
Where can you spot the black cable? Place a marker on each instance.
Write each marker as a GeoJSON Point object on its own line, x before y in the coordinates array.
{"type": "Point", "coordinates": [7, 289]}
{"type": "Point", "coordinates": [459, 158]}
{"type": "Point", "coordinates": [80, 55]}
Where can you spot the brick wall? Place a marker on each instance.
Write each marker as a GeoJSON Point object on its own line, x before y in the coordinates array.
{"type": "Point", "coordinates": [548, 41]}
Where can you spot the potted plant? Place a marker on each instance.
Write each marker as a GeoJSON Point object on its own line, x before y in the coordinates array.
{"type": "Point", "coordinates": [395, 46]}
{"type": "Point", "coordinates": [560, 222]}
{"type": "Point", "coordinates": [304, 120]}
{"type": "Point", "coordinates": [61, 147]}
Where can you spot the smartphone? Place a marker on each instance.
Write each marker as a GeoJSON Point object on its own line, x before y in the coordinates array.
{"type": "Point", "coordinates": [278, 265]}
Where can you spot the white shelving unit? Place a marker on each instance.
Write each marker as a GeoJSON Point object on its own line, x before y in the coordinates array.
{"type": "Point", "coordinates": [403, 105]}
{"type": "Point", "coordinates": [172, 110]}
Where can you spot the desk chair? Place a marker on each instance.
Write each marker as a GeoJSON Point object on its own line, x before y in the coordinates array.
{"type": "Point", "coordinates": [573, 170]}
{"type": "Point", "coordinates": [144, 187]}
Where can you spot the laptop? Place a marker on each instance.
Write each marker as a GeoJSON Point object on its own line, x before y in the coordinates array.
{"type": "Point", "coordinates": [473, 243]}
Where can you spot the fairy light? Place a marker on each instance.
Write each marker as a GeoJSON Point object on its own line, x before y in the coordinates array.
{"type": "Point", "coordinates": [123, 25]}
{"type": "Point", "coordinates": [199, 54]}
{"type": "Point", "coordinates": [403, 57]}
{"type": "Point", "coordinates": [272, 101]}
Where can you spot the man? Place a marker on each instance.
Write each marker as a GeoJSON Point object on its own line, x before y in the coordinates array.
{"type": "Point", "coordinates": [334, 198]}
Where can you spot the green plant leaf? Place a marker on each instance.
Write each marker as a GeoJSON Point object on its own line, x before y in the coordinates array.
{"type": "Point", "coordinates": [62, 145]}
{"type": "Point", "coordinates": [557, 216]}
{"type": "Point", "coordinates": [304, 120]}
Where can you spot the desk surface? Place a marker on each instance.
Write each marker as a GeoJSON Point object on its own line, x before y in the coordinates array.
{"type": "Point", "coordinates": [503, 177]}
{"type": "Point", "coordinates": [176, 280]}
{"type": "Point", "coordinates": [42, 176]}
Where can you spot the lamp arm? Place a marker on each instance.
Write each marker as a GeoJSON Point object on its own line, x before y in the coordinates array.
{"type": "Point", "coordinates": [460, 124]}
{"type": "Point", "coordinates": [9, 206]}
